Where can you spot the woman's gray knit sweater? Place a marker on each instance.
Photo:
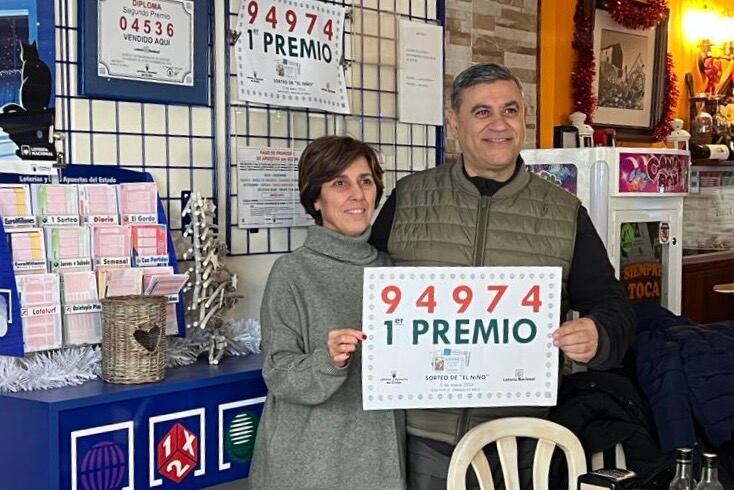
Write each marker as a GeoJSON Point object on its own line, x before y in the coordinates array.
{"type": "Point", "coordinates": [314, 433]}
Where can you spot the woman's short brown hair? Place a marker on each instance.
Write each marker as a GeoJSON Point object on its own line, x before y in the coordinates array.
{"type": "Point", "coordinates": [326, 158]}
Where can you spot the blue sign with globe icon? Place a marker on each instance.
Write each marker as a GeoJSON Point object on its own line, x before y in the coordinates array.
{"type": "Point", "coordinates": [102, 461]}
{"type": "Point", "coordinates": [103, 467]}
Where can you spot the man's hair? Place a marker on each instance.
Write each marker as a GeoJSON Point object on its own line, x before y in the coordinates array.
{"type": "Point", "coordinates": [476, 74]}
{"type": "Point", "coordinates": [326, 158]}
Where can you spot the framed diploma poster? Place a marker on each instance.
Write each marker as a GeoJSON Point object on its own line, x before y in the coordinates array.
{"type": "Point", "coordinates": [144, 50]}
{"type": "Point", "coordinates": [440, 337]}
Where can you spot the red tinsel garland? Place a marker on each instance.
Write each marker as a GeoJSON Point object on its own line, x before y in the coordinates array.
{"type": "Point", "coordinates": [633, 15]}
{"type": "Point", "coordinates": [582, 75]}
{"type": "Point", "coordinates": [670, 100]}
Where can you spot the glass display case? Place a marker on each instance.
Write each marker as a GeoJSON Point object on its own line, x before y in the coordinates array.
{"type": "Point", "coordinates": [708, 241]}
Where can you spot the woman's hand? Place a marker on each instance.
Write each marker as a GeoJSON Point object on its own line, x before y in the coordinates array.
{"type": "Point", "coordinates": [342, 342]}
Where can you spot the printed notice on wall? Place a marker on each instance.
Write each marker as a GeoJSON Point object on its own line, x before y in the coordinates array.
{"type": "Point", "coordinates": [420, 73]}
{"type": "Point", "coordinates": [290, 54]}
{"type": "Point", "coordinates": [147, 41]}
{"type": "Point", "coordinates": [460, 336]}
{"type": "Point", "coordinates": [267, 184]}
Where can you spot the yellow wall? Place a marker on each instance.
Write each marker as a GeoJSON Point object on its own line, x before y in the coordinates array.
{"type": "Point", "coordinates": [557, 56]}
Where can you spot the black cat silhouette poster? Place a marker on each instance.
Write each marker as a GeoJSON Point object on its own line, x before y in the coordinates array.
{"type": "Point", "coordinates": [27, 74]}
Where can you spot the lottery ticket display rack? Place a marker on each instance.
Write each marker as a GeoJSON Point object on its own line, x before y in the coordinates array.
{"type": "Point", "coordinates": [635, 200]}
{"type": "Point", "coordinates": [11, 342]}
{"type": "Point", "coordinates": [194, 429]}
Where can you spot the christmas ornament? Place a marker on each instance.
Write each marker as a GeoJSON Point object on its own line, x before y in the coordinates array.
{"type": "Point", "coordinates": [212, 287]}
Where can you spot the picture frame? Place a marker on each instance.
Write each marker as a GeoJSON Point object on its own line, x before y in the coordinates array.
{"type": "Point", "coordinates": [630, 94]}
{"type": "Point", "coordinates": [157, 52]}
{"type": "Point", "coordinates": [28, 59]}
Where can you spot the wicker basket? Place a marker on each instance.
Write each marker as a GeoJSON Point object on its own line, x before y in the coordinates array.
{"type": "Point", "coordinates": [133, 339]}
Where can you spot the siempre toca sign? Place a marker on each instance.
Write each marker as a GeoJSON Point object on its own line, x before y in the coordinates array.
{"type": "Point", "coordinates": [290, 54]}
{"type": "Point", "coordinates": [460, 336]}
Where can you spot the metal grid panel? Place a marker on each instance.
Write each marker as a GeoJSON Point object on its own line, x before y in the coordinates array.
{"type": "Point", "coordinates": [371, 50]}
{"type": "Point", "coordinates": [174, 143]}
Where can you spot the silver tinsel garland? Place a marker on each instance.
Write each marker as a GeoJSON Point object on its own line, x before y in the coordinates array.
{"type": "Point", "coordinates": [76, 365]}
{"type": "Point", "coordinates": [50, 369]}
{"type": "Point", "coordinates": [243, 337]}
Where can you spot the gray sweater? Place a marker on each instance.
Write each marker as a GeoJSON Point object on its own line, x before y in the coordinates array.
{"type": "Point", "coordinates": [314, 433]}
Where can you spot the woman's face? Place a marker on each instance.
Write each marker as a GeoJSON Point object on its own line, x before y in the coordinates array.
{"type": "Point", "coordinates": [347, 201]}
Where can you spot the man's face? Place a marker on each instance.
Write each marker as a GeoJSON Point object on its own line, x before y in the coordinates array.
{"type": "Point", "coordinates": [490, 127]}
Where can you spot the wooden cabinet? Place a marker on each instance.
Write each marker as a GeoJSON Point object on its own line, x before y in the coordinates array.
{"type": "Point", "coordinates": [700, 274]}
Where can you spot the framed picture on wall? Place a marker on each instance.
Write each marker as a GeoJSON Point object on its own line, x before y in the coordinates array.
{"type": "Point", "coordinates": [144, 51]}
{"type": "Point", "coordinates": [630, 74]}
{"type": "Point", "coordinates": [27, 81]}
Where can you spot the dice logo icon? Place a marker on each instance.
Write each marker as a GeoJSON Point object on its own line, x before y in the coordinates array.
{"type": "Point", "coordinates": [178, 453]}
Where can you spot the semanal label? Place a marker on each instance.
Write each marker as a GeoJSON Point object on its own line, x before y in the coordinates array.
{"type": "Point", "coordinates": [106, 261]}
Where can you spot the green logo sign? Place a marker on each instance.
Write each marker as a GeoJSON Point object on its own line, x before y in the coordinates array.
{"type": "Point", "coordinates": [240, 438]}
{"type": "Point", "coordinates": [627, 240]}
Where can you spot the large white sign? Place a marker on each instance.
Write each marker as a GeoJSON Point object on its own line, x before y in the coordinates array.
{"type": "Point", "coordinates": [420, 73]}
{"type": "Point", "coordinates": [290, 54]}
{"type": "Point", "coordinates": [460, 336]}
{"type": "Point", "coordinates": [146, 40]}
{"type": "Point", "coordinates": [267, 185]}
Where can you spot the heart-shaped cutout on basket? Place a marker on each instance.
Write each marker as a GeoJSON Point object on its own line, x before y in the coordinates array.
{"type": "Point", "coordinates": [148, 339]}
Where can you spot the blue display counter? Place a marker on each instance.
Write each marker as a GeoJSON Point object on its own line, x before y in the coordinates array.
{"type": "Point", "coordinates": [192, 430]}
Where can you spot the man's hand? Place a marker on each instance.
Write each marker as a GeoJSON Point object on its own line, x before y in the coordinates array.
{"type": "Point", "coordinates": [342, 342]}
{"type": "Point", "coordinates": [578, 339]}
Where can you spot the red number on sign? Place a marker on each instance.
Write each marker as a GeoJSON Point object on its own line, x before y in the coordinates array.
{"type": "Point", "coordinates": [463, 295]}
{"type": "Point", "coordinates": [498, 291]}
{"type": "Point", "coordinates": [427, 299]}
{"type": "Point", "coordinates": [532, 299]}
{"type": "Point", "coordinates": [271, 17]}
{"type": "Point", "coordinates": [291, 19]}
{"type": "Point", "coordinates": [123, 22]}
{"type": "Point", "coordinates": [169, 30]}
{"type": "Point", "coordinates": [252, 9]}
{"type": "Point", "coordinates": [311, 22]}
{"type": "Point", "coordinates": [329, 29]}
{"type": "Point", "coordinates": [391, 297]}
{"type": "Point", "coordinates": [135, 25]}
{"type": "Point", "coordinates": [146, 27]}
{"type": "Point", "coordinates": [158, 28]}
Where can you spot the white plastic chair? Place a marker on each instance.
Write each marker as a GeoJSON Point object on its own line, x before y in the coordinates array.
{"type": "Point", "coordinates": [505, 432]}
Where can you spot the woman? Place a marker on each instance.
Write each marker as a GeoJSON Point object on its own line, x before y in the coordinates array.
{"type": "Point", "coordinates": [314, 433]}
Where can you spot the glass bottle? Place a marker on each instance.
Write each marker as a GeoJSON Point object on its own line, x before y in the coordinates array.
{"type": "Point", "coordinates": [709, 474]}
{"type": "Point", "coordinates": [683, 479]}
{"type": "Point", "coordinates": [720, 125]}
{"type": "Point", "coordinates": [702, 128]}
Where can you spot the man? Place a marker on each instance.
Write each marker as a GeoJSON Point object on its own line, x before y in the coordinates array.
{"type": "Point", "coordinates": [488, 210]}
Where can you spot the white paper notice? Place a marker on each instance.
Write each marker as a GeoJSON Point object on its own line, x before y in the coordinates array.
{"type": "Point", "coordinates": [267, 184]}
{"type": "Point", "coordinates": [460, 336]}
{"type": "Point", "coordinates": [420, 73]}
